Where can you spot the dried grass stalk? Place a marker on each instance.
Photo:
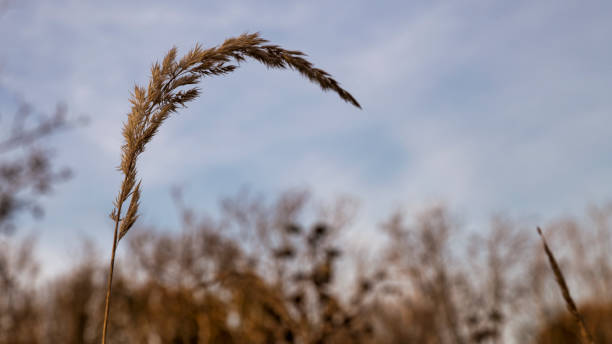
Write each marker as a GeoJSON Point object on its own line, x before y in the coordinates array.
{"type": "Point", "coordinates": [585, 335]}
{"type": "Point", "coordinates": [171, 86]}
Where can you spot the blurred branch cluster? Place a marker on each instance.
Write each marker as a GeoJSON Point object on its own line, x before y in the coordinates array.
{"type": "Point", "coordinates": [276, 272]}
{"type": "Point", "coordinates": [26, 166]}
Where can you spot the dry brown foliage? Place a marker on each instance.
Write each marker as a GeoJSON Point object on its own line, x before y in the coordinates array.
{"type": "Point", "coordinates": [209, 283]}
{"type": "Point", "coordinates": [565, 330]}
{"type": "Point", "coordinates": [19, 312]}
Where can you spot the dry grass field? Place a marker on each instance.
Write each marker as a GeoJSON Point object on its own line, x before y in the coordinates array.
{"type": "Point", "coordinates": [272, 272]}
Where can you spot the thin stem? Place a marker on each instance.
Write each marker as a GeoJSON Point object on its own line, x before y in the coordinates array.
{"type": "Point", "coordinates": [110, 276]}
{"type": "Point", "coordinates": [585, 335]}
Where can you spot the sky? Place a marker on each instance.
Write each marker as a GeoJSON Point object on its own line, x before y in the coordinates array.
{"type": "Point", "coordinates": [487, 106]}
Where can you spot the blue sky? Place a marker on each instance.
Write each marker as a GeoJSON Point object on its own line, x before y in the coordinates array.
{"type": "Point", "coordinates": [486, 106]}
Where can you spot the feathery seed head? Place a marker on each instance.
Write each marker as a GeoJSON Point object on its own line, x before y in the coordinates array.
{"type": "Point", "coordinates": [166, 93]}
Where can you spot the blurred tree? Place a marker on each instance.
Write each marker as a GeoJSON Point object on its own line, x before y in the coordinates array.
{"type": "Point", "coordinates": [27, 170]}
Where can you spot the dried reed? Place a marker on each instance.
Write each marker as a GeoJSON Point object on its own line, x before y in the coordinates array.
{"type": "Point", "coordinates": [169, 88]}
{"type": "Point", "coordinates": [585, 335]}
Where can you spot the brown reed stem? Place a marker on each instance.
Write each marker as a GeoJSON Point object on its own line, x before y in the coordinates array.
{"type": "Point", "coordinates": [110, 280]}
{"type": "Point", "coordinates": [585, 335]}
